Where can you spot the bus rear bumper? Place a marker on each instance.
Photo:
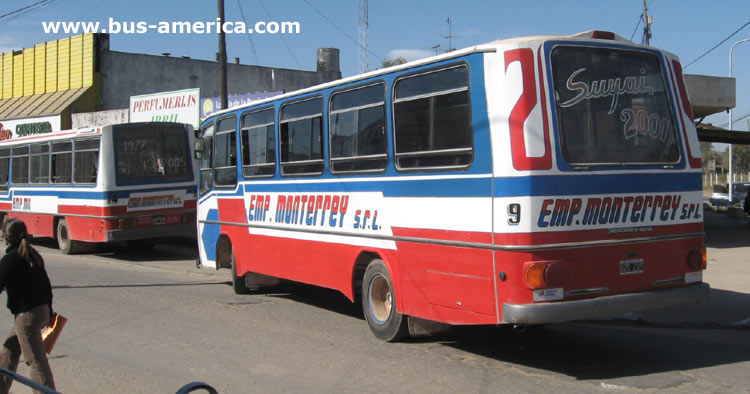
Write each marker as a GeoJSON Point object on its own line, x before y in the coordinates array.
{"type": "Point", "coordinates": [605, 307]}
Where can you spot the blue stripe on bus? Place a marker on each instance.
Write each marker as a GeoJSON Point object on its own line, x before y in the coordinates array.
{"type": "Point", "coordinates": [90, 195]}
{"type": "Point", "coordinates": [539, 185]}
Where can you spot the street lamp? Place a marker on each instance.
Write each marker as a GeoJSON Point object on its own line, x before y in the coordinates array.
{"type": "Point", "coordinates": [730, 121]}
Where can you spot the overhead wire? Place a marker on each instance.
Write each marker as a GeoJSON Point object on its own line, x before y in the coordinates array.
{"type": "Point", "coordinates": [27, 10]}
{"type": "Point", "coordinates": [281, 35]}
{"type": "Point", "coordinates": [717, 45]}
{"type": "Point", "coordinates": [341, 30]}
{"type": "Point", "coordinates": [249, 36]}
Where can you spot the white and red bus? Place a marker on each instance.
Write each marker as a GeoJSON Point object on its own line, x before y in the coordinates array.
{"type": "Point", "coordinates": [524, 181]}
{"type": "Point", "coordinates": [133, 182]}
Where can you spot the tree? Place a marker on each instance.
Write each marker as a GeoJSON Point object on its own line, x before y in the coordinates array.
{"type": "Point", "coordinates": [709, 156]}
{"type": "Point", "coordinates": [393, 62]}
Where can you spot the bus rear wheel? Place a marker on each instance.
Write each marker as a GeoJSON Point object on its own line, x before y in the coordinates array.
{"type": "Point", "coordinates": [379, 304]}
{"type": "Point", "coordinates": [238, 282]}
{"type": "Point", "coordinates": [66, 245]}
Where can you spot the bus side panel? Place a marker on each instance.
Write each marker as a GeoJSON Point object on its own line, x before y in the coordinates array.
{"type": "Point", "coordinates": [38, 225]}
{"type": "Point", "coordinates": [447, 283]}
{"type": "Point", "coordinates": [308, 261]}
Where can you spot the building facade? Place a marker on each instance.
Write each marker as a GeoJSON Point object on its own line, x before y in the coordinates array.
{"type": "Point", "coordinates": [41, 88]}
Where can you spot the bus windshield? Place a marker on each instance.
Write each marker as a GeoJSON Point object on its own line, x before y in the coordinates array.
{"type": "Point", "coordinates": [153, 152]}
{"type": "Point", "coordinates": [612, 107]}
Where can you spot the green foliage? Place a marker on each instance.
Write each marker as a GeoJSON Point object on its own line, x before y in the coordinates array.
{"type": "Point", "coordinates": [393, 62]}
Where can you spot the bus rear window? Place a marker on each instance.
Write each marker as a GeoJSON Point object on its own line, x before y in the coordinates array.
{"type": "Point", "coordinates": [151, 153]}
{"type": "Point", "coordinates": [613, 107]}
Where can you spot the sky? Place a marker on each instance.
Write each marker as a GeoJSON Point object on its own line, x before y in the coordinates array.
{"type": "Point", "coordinates": [699, 32]}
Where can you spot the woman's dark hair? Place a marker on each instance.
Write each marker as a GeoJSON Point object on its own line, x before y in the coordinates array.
{"type": "Point", "coordinates": [15, 233]}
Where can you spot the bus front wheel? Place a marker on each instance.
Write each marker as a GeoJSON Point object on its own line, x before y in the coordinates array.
{"type": "Point", "coordinates": [67, 245]}
{"type": "Point", "coordinates": [379, 304]}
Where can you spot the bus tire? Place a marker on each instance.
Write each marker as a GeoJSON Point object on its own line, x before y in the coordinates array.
{"type": "Point", "coordinates": [66, 245]}
{"type": "Point", "coordinates": [238, 282]}
{"type": "Point", "coordinates": [379, 304]}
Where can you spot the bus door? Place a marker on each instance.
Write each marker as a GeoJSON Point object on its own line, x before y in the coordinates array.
{"type": "Point", "coordinates": [207, 202]}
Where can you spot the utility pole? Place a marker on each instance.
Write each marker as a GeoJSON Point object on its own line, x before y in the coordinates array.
{"type": "Point", "coordinates": [364, 26]}
{"type": "Point", "coordinates": [222, 57]}
{"type": "Point", "coordinates": [647, 20]}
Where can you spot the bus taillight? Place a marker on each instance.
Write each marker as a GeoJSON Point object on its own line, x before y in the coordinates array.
{"type": "Point", "coordinates": [542, 274]}
{"type": "Point", "coordinates": [602, 35]}
{"type": "Point", "coordinates": [696, 259]}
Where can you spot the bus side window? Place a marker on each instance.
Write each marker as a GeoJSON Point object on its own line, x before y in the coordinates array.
{"type": "Point", "coordinates": [301, 137]}
{"type": "Point", "coordinates": [225, 153]}
{"type": "Point", "coordinates": [4, 167]}
{"type": "Point", "coordinates": [258, 144]}
{"type": "Point", "coordinates": [39, 164]}
{"type": "Point", "coordinates": [206, 164]}
{"type": "Point", "coordinates": [432, 119]}
{"type": "Point", "coordinates": [20, 165]}
{"type": "Point", "coordinates": [357, 130]}
{"type": "Point", "coordinates": [86, 161]}
{"type": "Point", "coordinates": [62, 162]}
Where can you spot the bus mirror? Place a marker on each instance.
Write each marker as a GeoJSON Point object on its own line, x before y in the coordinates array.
{"type": "Point", "coordinates": [199, 148]}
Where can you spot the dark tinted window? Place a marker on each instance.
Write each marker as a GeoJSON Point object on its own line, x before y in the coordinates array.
{"type": "Point", "coordinates": [151, 153]}
{"type": "Point", "coordinates": [612, 107]}
{"type": "Point", "coordinates": [432, 117]}
{"type": "Point", "coordinates": [301, 138]}
{"type": "Point", "coordinates": [357, 130]}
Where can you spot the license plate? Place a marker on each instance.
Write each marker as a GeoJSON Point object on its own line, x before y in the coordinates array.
{"type": "Point", "coordinates": [158, 220]}
{"type": "Point", "coordinates": [629, 267]}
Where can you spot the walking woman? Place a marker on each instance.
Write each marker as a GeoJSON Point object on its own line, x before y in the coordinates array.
{"type": "Point", "coordinates": [23, 276]}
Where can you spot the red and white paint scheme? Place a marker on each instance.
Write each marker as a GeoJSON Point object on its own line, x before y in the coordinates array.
{"type": "Point", "coordinates": [524, 181]}
{"type": "Point", "coordinates": [133, 182]}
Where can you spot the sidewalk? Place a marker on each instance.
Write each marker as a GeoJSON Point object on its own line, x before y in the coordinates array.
{"type": "Point", "coordinates": [728, 273]}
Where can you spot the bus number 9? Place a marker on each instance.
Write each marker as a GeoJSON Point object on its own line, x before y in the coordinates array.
{"type": "Point", "coordinates": [514, 213]}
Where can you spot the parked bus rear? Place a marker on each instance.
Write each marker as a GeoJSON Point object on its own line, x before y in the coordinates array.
{"type": "Point", "coordinates": [130, 182]}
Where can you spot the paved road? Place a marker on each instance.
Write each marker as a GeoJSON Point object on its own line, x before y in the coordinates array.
{"type": "Point", "coordinates": [148, 322]}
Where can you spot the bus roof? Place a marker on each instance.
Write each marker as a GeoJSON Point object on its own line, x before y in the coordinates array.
{"type": "Point", "coordinates": [487, 47]}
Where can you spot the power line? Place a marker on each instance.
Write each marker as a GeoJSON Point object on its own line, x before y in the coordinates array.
{"type": "Point", "coordinates": [23, 8]}
{"type": "Point", "coordinates": [249, 36]}
{"type": "Point", "coordinates": [281, 36]}
{"type": "Point", "coordinates": [717, 45]}
{"type": "Point", "coordinates": [339, 29]}
{"type": "Point", "coordinates": [29, 9]}
{"type": "Point", "coordinates": [640, 18]}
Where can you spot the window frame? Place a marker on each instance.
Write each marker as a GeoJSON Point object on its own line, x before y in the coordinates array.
{"type": "Point", "coordinates": [229, 152]}
{"type": "Point", "coordinates": [13, 156]}
{"type": "Point", "coordinates": [332, 112]}
{"type": "Point", "coordinates": [243, 130]}
{"type": "Point", "coordinates": [33, 155]}
{"type": "Point", "coordinates": [394, 101]}
{"type": "Point", "coordinates": [4, 184]}
{"type": "Point", "coordinates": [75, 159]}
{"type": "Point", "coordinates": [54, 153]}
{"type": "Point", "coordinates": [206, 174]}
{"type": "Point", "coordinates": [281, 122]}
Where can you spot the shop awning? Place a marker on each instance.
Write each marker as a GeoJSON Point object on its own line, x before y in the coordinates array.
{"type": "Point", "coordinates": [45, 104]}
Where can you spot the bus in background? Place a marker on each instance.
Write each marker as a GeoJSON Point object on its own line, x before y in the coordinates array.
{"type": "Point", "coordinates": [133, 182]}
{"type": "Point", "coordinates": [524, 181]}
